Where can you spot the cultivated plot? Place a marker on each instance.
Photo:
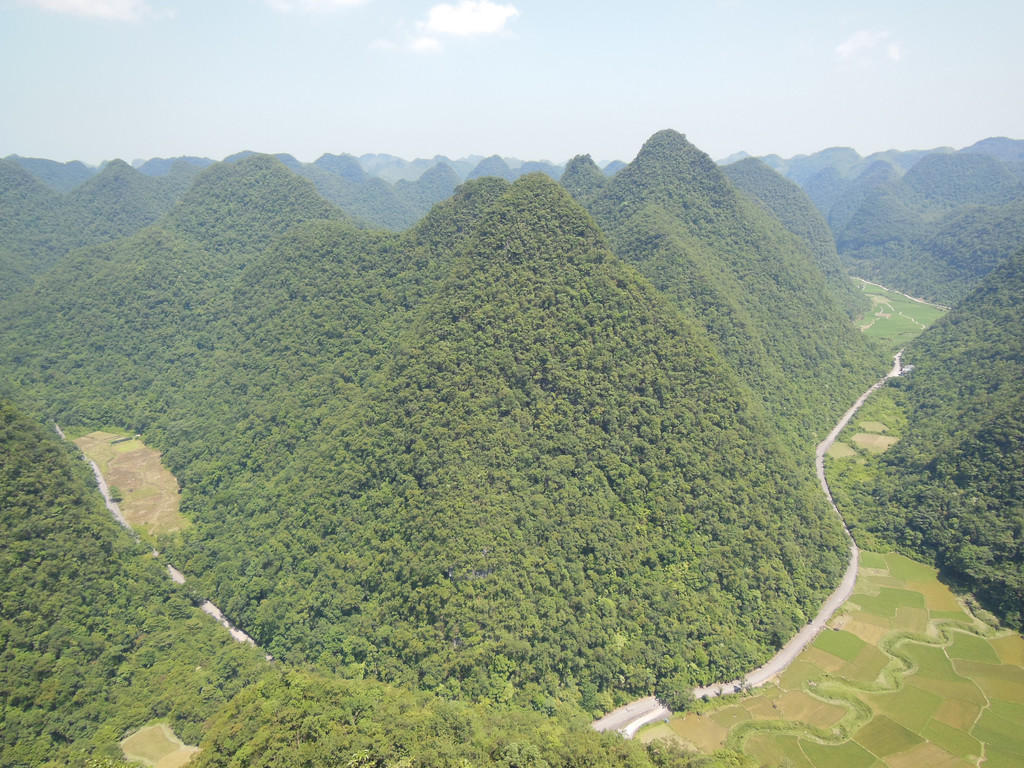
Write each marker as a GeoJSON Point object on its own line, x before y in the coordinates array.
{"type": "Point", "coordinates": [894, 317]}
{"type": "Point", "coordinates": [149, 492]}
{"type": "Point", "coordinates": [157, 746]}
{"type": "Point", "coordinates": [905, 678]}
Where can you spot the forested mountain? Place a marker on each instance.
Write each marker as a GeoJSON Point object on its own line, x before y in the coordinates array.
{"type": "Point", "coordinates": [61, 177]}
{"type": "Point", "coordinates": [119, 201]}
{"type": "Point", "coordinates": [29, 224]}
{"type": "Point", "coordinates": [939, 229]}
{"type": "Point", "coordinates": [459, 458]}
{"type": "Point", "coordinates": [583, 179]}
{"type": "Point", "coordinates": [38, 226]}
{"type": "Point", "coordinates": [161, 166]}
{"type": "Point", "coordinates": [97, 642]}
{"type": "Point", "coordinates": [932, 223]}
{"type": "Point", "coordinates": [756, 288]}
{"type": "Point", "coordinates": [394, 169]}
{"type": "Point", "coordinates": [522, 483]}
{"type": "Point", "coordinates": [952, 488]}
{"type": "Point", "coordinates": [492, 166]}
{"type": "Point", "coordinates": [790, 205]}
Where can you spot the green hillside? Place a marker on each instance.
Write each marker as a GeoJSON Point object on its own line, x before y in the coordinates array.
{"type": "Point", "coordinates": [38, 226]}
{"type": "Point", "coordinates": [950, 489]}
{"type": "Point", "coordinates": [933, 231]}
{"type": "Point", "coordinates": [98, 642]}
{"type": "Point", "coordinates": [95, 638]}
{"type": "Point", "coordinates": [533, 445]}
{"type": "Point", "coordinates": [759, 292]}
{"type": "Point", "coordinates": [345, 441]}
{"type": "Point", "coordinates": [29, 225]}
{"type": "Point", "coordinates": [785, 200]}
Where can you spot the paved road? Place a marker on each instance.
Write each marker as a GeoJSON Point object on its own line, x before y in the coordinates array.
{"type": "Point", "coordinates": [629, 719]}
{"type": "Point", "coordinates": [176, 576]}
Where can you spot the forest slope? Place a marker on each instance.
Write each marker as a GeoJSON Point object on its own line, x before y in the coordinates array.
{"type": "Point", "coordinates": [951, 489]}
{"type": "Point", "coordinates": [755, 287]}
{"type": "Point", "coordinates": [97, 642]}
{"type": "Point", "coordinates": [95, 637]}
{"type": "Point", "coordinates": [424, 456]}
{"type": "Point", "coordinates": [784, 200]}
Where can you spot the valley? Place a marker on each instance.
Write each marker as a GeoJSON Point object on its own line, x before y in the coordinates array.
{"type": "Point", "coordinates": [628, 719]}
{"type": "Point", "coordinates": [479, 457]}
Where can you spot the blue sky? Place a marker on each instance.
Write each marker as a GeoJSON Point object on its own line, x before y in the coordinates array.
{"type": "Point", "coordinates": [535, 79]}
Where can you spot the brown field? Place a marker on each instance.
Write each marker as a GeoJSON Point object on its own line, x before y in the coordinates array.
{"type": "Point", "coordinates": [1010, 649]}
{"type": "Point", "coordinates": [802, 707]}
{"type": "Point", "coordinates": [157, 746]}
{"type": "Point", "coordinates": [957, 714]}
{"type": "Point", "coordinates": [924, 755]}
{"type": "Point", "coordinates": [149, 490]}
{"type": "Point", "coordinates": [702, 732]}
{"type": "Point", "coordinates": [937, 596]}
{"type": "Point", "coordinates": [873, 442]}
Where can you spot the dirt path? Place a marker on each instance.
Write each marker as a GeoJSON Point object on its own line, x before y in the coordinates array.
{"type": "Point", "coordinates": [629, 719]}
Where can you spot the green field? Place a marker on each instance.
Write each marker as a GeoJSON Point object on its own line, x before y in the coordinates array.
{"type": "Point", "coordinates": [894, 318]}
{"type": "Point", "coordinates": [871, 693]}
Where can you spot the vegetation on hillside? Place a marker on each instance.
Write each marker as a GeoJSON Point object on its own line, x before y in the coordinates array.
{"type": "Point", "coordinates": [347, 440]}
{"type": "Point", "coordinates": [790, 205]}
{"type": "Point", "coordinates": [950, 489]}
{"type": "Point", "coordinates": [722, 260]}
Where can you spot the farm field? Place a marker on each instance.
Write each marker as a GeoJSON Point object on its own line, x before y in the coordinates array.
{"type": "Point", "coordinates": [149, 490]}
{"type": "Point", "coordinates": [895, 318]}
{"type": "Point", "coordinates": [906, 677]}
{"type": "Point", "coordinates": [156, 746]}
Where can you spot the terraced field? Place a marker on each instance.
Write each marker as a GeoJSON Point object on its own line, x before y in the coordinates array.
{"type": "Point", "coordinates": [905, 678]}
{"type": "Point", "coordinates": [896, 318]}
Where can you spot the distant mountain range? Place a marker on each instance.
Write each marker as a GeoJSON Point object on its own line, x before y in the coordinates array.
{"type": "Point", "coordinates": [929, 222]}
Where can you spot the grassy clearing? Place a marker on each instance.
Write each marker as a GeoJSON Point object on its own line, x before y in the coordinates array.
{"type": "Point", "coordinates": [150, 492]}
{"type": "Point", "coordinates": [841, 451]}
{"type": "Point", "coordinates": [876, 428]}
{"type": "Point", "coordinates": [910, 680]}
{"type": "Point", "coordinates": [157, 746]}
{"type": "Point", "coordinates": [874, 443]}
{"type": "Point", "coordinates": [873, 426]}
{"type": "Point", "coordinates": [896, 319]}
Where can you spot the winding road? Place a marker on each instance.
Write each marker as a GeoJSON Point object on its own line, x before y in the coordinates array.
{"type": "Point", "coordinates": [175, 575]}
{"type": "Point", "coordinates": [628, 719]}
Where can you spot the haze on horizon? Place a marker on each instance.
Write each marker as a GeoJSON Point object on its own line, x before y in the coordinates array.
{"type": "Point", "coordinates": [95, 80]}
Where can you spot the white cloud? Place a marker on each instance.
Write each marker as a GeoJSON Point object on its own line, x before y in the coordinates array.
{"type": "Point", "coordinates": [860, 41]}
{"type": "Point", "coordinates": [425, 44]}
{"type": "Point", "coordinates": [468, 18]}
{"type": "Point", "coordinates": [864, 45]}
{"type": "Point", "coordinates": [311, 6]}
{"type": "Point", "coordinates": [116, 10]}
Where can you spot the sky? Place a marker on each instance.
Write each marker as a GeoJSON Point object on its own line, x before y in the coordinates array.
{"type": "Point", "coordinates": [94, 80]}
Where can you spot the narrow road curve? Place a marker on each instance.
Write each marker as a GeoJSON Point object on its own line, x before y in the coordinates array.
{"type": "Point", "coordinates": [628, 719]}
{"type": "Point", "coordinates": [175, 575]}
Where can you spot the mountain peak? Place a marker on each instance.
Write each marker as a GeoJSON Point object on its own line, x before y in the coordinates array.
{"type": "Point", "coordinates": [583, 178]}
